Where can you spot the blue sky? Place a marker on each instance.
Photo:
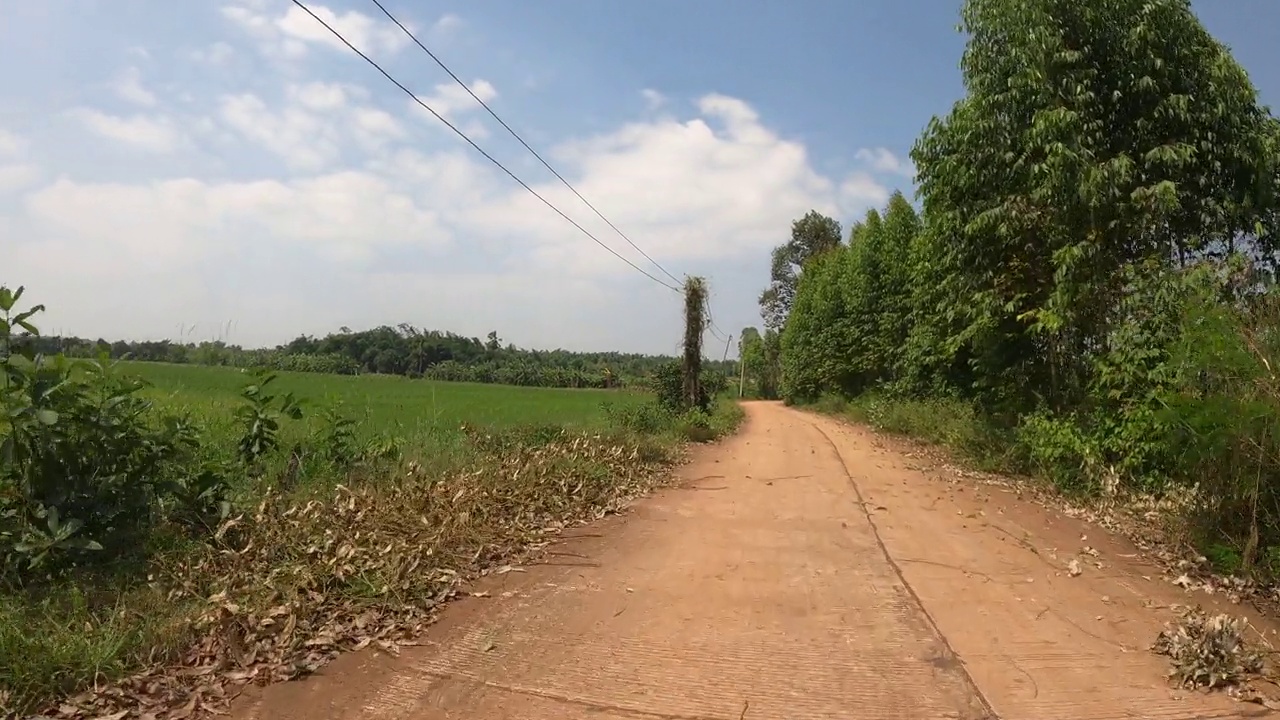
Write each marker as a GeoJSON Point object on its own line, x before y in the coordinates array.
{"type": "Point", "coordinates": [165, 166]}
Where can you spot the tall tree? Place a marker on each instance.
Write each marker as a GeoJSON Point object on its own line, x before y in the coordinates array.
{"type": "Point", "coordinates": [811, 235]}
{"type": "Point", "coordinates": [817, 347]}
{"type": "Point", "coordinates": [1095, 133]}
{"type": "Point", "coordinates": [751, 354]}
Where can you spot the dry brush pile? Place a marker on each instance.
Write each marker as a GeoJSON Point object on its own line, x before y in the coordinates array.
{"type": "Point", "coordinates": [283, 589]}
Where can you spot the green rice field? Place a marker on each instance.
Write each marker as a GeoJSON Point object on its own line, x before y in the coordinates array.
{"type": "Point", "coordinates": [422, 417]}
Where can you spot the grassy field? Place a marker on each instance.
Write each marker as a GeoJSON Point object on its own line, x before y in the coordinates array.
{"type": "Point", "coordinates": [386, 403]}
{"type": "Point", "coordinates": [423, 418]}
{"type": "Point", "coordinates": [410, 484]}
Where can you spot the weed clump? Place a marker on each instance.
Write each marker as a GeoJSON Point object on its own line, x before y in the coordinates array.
{"type": "Point", "coordinates": [1207, 651]}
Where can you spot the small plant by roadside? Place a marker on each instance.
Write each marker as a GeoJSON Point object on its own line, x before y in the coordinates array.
{"type": "Point", "coordinates": [260, 417]}
{"type": "Point", "coordinates": [647, 418]}
{"type": "Point", "coordinates": [338, 442]}
{"type": "Point", "coordinates": [696, 425]}
{"type": "Point", "coordinates": [1207, 651]}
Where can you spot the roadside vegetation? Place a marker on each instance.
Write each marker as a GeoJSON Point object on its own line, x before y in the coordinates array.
{"type": "Point", "coordinates": [1086, 290]}
{"type": "Point", "coordinates": [169, 533]}
{"type": "Point", "coordinates": [404, 350]}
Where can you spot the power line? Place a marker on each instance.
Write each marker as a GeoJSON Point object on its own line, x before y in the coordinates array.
{"type": "Point", "coordinates": [715, 329]}
{"type": "Point", "coordinates": [516, 135]}
{"type": "Point", "coordinates": [478, 149]}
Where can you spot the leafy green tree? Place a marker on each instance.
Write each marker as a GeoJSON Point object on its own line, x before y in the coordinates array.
{"type": "Point", "coordinates": [771, 376]}
{"type": "Point", "coordinates": [751, 355]}
{"type": "Point", "coordinates": [811, 236]}
{"type": "Point", "coordinates": [852, 310]}
{"type": "Point", "coordinates": [819, 350]}
{"type": "Point", "coordinates": [895, 284]}
{"type": "Point", "coordinates": [1094, 134]}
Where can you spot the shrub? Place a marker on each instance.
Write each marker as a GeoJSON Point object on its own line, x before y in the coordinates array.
{"type": "Point", "coordinates": [260, 417]}
{"type": "Point", "coordinates": [646, 418]}
{"type": "Point", "coordinates": [337, 438]}
{"type": "Point", "coordinates": [86, 461]}
{"type": "Point", "coordinates": [696, 425]}
{"type": "Point", "coordinates": [1059, 450]}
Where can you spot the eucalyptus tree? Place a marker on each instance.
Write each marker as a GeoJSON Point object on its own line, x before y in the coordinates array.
{"type": "Point", "coordinates": [1094, 134]}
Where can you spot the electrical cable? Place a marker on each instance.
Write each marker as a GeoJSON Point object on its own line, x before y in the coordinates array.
{"type": "Point", "coordinates": [477, 148]}
{"type": "Point", "coordinates": [516, 135]}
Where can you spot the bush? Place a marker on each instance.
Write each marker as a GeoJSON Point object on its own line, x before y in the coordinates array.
{"type": "Point", "coordinates": [696, 425]}
{"type": "Point", "coordinates": [646, 418]}
{"type": "Point", "coordinates": [667, 383]}
{"type": "Point", "coordinates": [1059, 450]}
{"type": "Point", "coordinates": [87, 463]}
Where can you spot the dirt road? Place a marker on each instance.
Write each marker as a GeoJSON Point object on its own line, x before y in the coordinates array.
{"type": "Point", "coordinates": [804, 570]}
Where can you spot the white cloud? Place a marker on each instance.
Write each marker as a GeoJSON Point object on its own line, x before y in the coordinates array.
{"type": "Point", "coordinates": [129, 87]}
{"type": "Point", "coordinates": [304, 140]}
{"type": "Point", "coordinates": [359, 29]}
{"type": "Point", "coordinates": [447, 24]}
{"type": "Point", "coordinates": [882, 160]}
{"type": "Point", "coordinates": [342, 215]}
{"type": "Point", "coordinates": [273, 42]}
{"type": "Point", "coordinates": [313, 125]}
{"type": "Point", "coordinates": [862, 190]}
{"type": "Point", "coordinates": [379, 227]}
{"type": "Point", "coordinates": [321, 97]}
{"type": "Point", "coordinates": [217, 54]}
{"type": "Point", "coordinates": [290, 34]}
{"type": "Point", "coordinates": [451, 99]}
{"type": "Point", "coordinates": [17, 177]}
{"type": "Point", "coordinates": [154, 134]}
{"type": "Point", "coordinates": [685, 191]}
{"type": "Point", "coordinates": [653, 98]}
{"type": "Point", "coordinates": [374, 128]}
{"type": "Point", "coordinates": [10, 143]}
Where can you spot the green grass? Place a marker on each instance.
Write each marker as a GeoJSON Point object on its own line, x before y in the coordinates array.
{"type": "Point", "coordinates": [950, 423]}
{"type": "Point", "coordinates": [389, 403]}
{"type": "Point", "coordinates": [422, 418]}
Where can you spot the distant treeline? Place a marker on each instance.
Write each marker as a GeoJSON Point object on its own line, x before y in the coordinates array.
{"type": "Point", "coordinates": [401, 350]}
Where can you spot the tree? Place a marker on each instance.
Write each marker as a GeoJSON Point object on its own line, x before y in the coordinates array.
{"type": "Point", "coordinates": [895, 284]}
{"type": "Point", "coordinates": [751, 353]}
{"type": "Point", "coordinates": [1095, 134]}
{"type": "Point", "coordinates": [817, 352]}
{"type": "Point", "coordinates": [851, 315]}
{"type": "Point", "coordinates": [770, 381]}
{"type": "Point", "coordinates": [811, 236]}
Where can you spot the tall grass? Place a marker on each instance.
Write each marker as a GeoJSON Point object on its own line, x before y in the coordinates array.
{"type": "Point", "coordinates": [950, 423]}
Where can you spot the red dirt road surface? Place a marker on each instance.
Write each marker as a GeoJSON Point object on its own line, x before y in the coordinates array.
{"type": "Point", "coordinates": [803, 570]}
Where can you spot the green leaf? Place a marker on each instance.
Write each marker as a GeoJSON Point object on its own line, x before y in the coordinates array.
{"type": "Point", "coordinates": [9, 298]}
{"type": "Point", "coordinates": [70, 527]}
